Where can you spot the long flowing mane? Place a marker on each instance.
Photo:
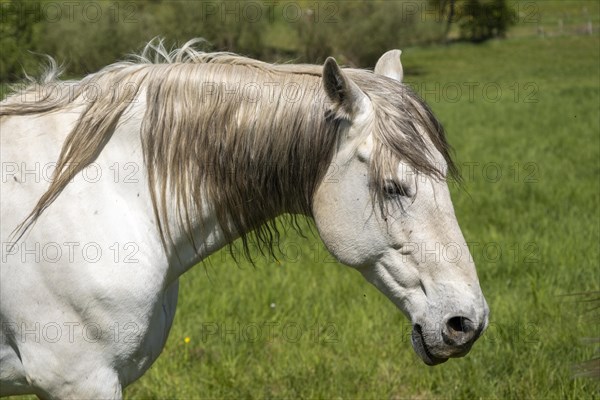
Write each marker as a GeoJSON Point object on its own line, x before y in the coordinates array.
{"type": "Point", "coordinates": [253, 139]}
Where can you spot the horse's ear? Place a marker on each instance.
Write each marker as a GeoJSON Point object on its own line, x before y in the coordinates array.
{"type": "Point", "coordinates": [345, 95]}
{"type": "Point", "coordinates": [389, 65]}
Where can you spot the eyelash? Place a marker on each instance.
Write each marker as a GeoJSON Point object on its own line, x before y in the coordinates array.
{"type": "Point", "coordinates": [393, 189]}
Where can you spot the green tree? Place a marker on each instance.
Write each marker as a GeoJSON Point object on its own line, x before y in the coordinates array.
{"type": "Point", "coordinates": [478, 20]}
{"type": "Point", "coordinates": [18, 19]}
{"type": "Point", "coordinates": [447, 11]}
{"type": "Point", "coordinates": [365, 30]}
{"type": "Point", "coordinates": [483, 20]}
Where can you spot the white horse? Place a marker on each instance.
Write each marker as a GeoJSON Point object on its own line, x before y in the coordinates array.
{"type": "Point", "coordinates": [115, 185]}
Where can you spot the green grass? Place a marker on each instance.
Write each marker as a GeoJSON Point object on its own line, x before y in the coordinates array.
{"type": "Point", "coordinates": [309, 327]}
{"type": "Point", "coordinates": [541, 214]}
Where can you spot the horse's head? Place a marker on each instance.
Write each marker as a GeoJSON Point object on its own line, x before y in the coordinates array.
{"type": "Point", "coordinates": [385, 208]}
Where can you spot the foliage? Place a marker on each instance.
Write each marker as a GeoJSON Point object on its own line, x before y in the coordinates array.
{"type": "Point", "coordinates": [478, 20]}
{"type": "Point", "coordinates": [86, 36]}
{"type": "Point", "coordinates": [16, 36]}
{"type": "Point", "coordinates": [386, 27]}
{"type": "Point", "coordinates": [485, 19]}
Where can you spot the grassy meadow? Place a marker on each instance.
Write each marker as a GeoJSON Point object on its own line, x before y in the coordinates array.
{"type": "Point", "coordinates": [523, 116]}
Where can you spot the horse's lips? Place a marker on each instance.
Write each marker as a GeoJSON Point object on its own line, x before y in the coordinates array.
{"type": "Point", "coordinates": [421, 349]}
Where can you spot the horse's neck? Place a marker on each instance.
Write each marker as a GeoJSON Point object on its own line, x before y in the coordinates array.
{"type": "Point", "coordinates": [182, 251]}
{"type": "Point", "coordinates": [185, 250]}
{"type": "Point", "coordinates": [186, 244]}
{"type": "Point", "coordinates": [122, 187]}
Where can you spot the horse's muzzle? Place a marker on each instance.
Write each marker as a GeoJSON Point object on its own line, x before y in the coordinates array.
{"type": "Point", "coordinates": [418, 342]}
{"type": "Point", "coordinates": [454, 339]}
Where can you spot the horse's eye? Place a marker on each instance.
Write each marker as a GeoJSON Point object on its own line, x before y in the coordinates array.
{"type": "Point", "coordinates": [394, 189]}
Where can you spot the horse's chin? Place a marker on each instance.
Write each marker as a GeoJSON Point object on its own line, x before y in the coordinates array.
{"type": "Point", "coordinates": [421, 348]}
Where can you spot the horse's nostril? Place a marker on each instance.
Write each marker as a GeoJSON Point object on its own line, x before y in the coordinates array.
{"type": "Point", "coordinates": [459, 331]}
{"type": "Point", "coordinates": [460, 324]}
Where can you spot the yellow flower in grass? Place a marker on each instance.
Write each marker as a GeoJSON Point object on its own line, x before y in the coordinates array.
{"type": "Point", "coordinates": [187, 340]}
